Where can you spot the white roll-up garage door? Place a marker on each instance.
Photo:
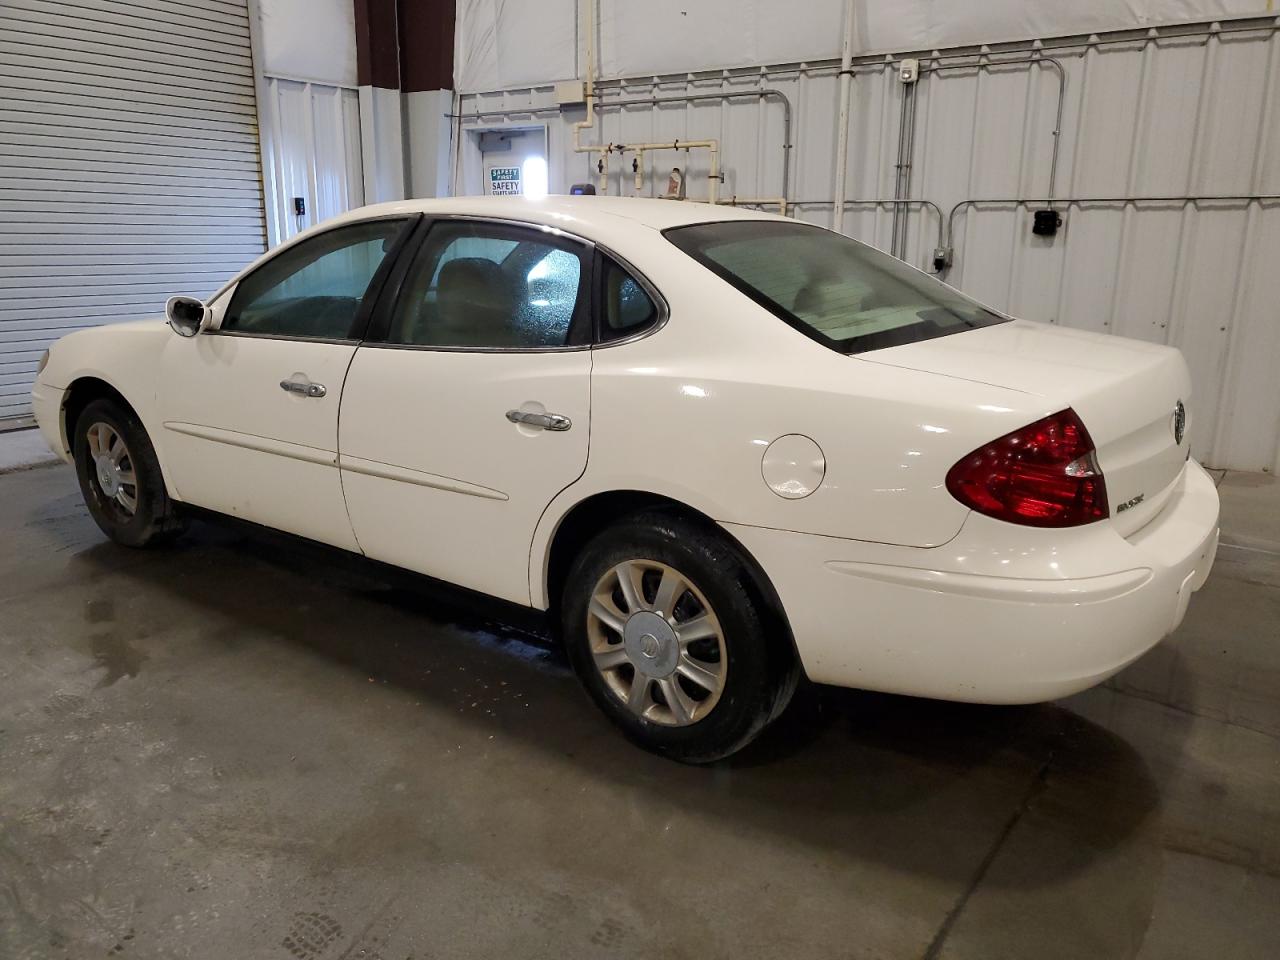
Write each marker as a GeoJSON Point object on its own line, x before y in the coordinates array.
{"type": "Point", "coordinates": [129, 165]}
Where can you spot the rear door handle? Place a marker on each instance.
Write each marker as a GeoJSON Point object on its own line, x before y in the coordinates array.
{"type": "Point", "coordinates": [544, 421]}
{"type": "Point", "coordinates": [303, 388]}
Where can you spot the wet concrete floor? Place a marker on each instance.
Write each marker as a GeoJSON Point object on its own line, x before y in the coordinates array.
{"type": "Point", "coordinates": [243, 747]}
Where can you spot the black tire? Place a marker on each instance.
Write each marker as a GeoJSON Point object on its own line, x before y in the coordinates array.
{"type": "Point", "coordinates": [155, 518]}
{"type": "Point", "coordinates": [761, 670]}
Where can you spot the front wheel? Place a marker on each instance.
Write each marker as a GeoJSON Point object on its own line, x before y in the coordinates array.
{"type": "Point", "coordinates": [669, 637]}
{"type": "Point", "coordinates": [120, 476]}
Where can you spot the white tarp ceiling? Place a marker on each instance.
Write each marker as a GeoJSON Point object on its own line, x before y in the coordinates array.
{"type": "Point", "coordinates": [310, 40]}
{"type": "Point", "coordinates": [504, 43]}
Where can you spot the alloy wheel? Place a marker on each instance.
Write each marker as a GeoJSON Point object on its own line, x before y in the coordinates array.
{"type": "Point", "coordinates": [113, 471]}
{"type": "Point", "coordinates": [657, 642]}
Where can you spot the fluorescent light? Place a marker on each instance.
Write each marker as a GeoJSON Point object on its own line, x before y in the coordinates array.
{"type": "Point", "coordinates": [535, 178]}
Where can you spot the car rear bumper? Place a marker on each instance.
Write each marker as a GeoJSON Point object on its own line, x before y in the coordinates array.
{"type": "Point", "coordinates": [1002, 614]}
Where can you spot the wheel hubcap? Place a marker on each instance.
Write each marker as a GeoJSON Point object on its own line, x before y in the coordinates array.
{"type": "Point", "coordinates": [657, 643]}
{"type": "Point", "coordinates": [651, 644]}
{"type": "Point", "coordinates": [113, 467]}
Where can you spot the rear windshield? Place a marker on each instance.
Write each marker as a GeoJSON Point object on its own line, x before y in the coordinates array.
{"type": "Point", "coordinates": [842, 293]}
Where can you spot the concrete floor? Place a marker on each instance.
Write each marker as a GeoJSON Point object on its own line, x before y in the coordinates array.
{"type": "Point", "coordinates": [245, 747]}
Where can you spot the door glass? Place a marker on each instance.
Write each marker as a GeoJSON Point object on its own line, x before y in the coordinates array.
{"type": "Point", "coordinates": [313, 289]}
{"type": "Point", "coordinates": [493, 286]}
{"type": "Point", "coordinates": [627, 308]}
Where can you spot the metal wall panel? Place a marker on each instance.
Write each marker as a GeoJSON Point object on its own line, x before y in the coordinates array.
{"type": "Point", "coordinates": [1156, 123]}
{"type": "Point", "coordinates": [315, 151]}
{"type": "Point", "coordinates": [129, 166]}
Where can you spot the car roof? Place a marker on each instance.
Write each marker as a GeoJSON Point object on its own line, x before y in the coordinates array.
{"type": "Point", "coordinates": [569, 212]}
{"type": "Point", "coordinates": [603, 220]}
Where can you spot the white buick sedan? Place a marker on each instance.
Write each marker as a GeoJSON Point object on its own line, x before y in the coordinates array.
{"type": "Point", "coordinates": [720, 448]}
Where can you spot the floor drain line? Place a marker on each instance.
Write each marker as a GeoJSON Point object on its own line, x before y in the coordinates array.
{"type": "Point", "coordinates": [940, 938]}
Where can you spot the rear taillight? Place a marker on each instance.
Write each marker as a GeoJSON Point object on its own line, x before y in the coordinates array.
{"type": "Point", "coordinates": [1044, 475]}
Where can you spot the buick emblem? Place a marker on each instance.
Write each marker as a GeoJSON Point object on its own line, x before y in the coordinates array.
{"type": "Point", "coordinates": [1179, 422]}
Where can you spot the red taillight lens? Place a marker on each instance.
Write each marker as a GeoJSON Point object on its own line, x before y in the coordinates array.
{"type": "Point", "coordinates": [1044, 475]}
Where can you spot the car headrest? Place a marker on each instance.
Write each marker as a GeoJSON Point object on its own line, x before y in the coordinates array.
{"type": "Point", "coordinates": [477, 303]}
{"type": "Point", "coordinates": [470, 278]}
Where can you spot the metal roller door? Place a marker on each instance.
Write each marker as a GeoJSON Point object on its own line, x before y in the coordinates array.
{"type": "Point", "coordinates": [129, 165]}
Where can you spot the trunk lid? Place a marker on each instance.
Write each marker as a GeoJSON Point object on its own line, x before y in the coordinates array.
{"type": "Point", "coordinates": [1125, 391]}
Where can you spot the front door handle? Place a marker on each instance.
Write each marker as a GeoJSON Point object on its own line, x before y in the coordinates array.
{"type": "Point", "coordinates": [544, 421]}
{"type": "Point", "coordinates": [303, 388]}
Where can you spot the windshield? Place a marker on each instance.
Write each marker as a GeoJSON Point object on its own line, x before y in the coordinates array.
{"type": "Point", "coordinates": [842, 293]}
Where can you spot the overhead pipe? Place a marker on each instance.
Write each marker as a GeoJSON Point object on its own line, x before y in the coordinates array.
{"type": "Point", "coordinates": [842, 124]}
{"type": "Point", "coordinates": [605, 149]}
{"type": "Point", "coordinates": [780, 202]}
{"type": "Point", "coordinates": [589, 85]}
{"type": "Point", "coordinates": [761, 92]}
{"type": "Point", "coordinates": [601, 103]}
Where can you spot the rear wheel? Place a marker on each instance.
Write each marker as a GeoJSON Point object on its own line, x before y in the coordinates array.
{"type": "Point", "coordinates": [670, 639]}
{"type": "Point", "coordinates": [120, 476]}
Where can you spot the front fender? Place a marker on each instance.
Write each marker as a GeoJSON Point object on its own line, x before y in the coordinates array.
{"type": "Point", "coordinates": [124, 356]}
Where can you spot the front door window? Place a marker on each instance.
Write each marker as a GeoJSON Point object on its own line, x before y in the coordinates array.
{"type": "Point", "coordinates": [315, 289]}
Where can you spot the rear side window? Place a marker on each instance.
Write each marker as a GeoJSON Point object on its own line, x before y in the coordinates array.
{"type": "Point", "coordinates": [840, 292]}
{"type": "Point", "coordinates": [626, 309]}
{"type": "Point", "coordinates": [491, 286]}
{"type": "Point", "coordinates": [314, 288]}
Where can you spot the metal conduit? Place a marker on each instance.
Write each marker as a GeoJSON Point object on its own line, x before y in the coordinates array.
{"type": "Point", "coordinates": [902, 180]}
{"type": "Point", "coordinates": [985, 59]}
{"type": "Point", "coordinates": [946, 224]}
{"type": "Point", "coordinates": [1254, 24]}
{"type": "Point", "coordinates": [1149, 35]}
{"type": "Point", "coordinates": [906, 131]}
{"type": "Point", "coordinates": [881, 202]}
{"type": "Point", "coordinates": [1062, 99]}
{"type": "Point", "coordinates": [980, 59]}
{"type": "Point", "coordinates": [509, 112]}
{"type": "Point", "coordinates": [1120, 201]}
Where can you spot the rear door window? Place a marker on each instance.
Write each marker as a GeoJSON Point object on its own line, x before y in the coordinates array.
{"type": "Point", "coordinates": [493, 286]}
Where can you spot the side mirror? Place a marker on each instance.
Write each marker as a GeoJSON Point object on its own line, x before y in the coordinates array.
{"type": "Point", "coordinates": [186, 315]}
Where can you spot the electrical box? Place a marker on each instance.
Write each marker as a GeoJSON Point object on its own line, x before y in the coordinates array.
{"type": "Point", "coordinates": [571, 92]}
{"type": "Point", "coordinates": [1046, 223]}
{"type": "Point", "coordinates": [909, 71]}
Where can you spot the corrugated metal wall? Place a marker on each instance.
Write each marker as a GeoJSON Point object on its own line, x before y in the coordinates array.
{"type": "Point", "coordinates": [1150, 119]}
{"type": "Point", "coordinates": [312, 132]}
{"type": "Point", "coordinates": [129, 165]}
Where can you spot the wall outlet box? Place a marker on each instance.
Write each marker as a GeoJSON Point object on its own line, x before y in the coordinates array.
{"type": "Point", "coordinates": [569, 92]}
